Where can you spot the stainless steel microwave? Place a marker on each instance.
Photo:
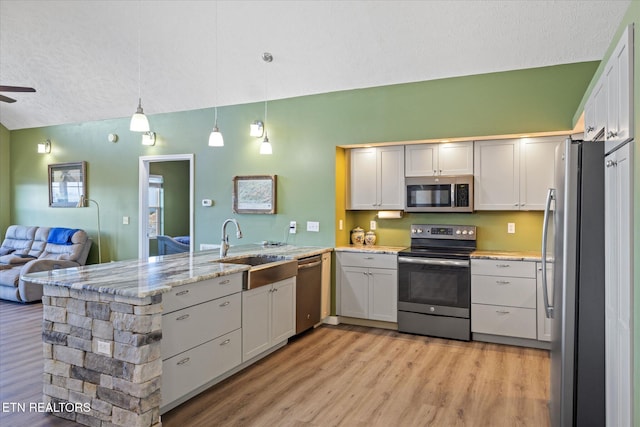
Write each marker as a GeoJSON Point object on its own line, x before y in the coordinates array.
{"type": "Point", "coordinates": [439, 194]}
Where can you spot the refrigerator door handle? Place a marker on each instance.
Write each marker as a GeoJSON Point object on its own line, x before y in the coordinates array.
{"type": "Point", "coordinates": [545, 226]}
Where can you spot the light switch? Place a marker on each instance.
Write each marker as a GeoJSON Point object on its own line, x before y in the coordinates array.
{"type": "Point", "coordinates": [125, 220]}
{"type": "Point", "coordinates": [511, 227]}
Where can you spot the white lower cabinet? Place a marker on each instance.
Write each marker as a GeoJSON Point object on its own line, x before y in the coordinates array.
{"type": "Point", "coordinates": [368, 292]}
{"type": "Point", "coordinates": [544, 323]}
{"type": "Point", "coordinates": [193, 355]}
{"type": "Point", "coordinates": [269, 317]}
{"type": "Point", "coordinates": [503, 298]}
{"type": "Point", "coordinates": [187, 371]}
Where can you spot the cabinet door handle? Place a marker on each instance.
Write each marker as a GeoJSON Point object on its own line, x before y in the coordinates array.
{"type": "Point", "coordinates": [611, 163]}
{"type": "Point", "coordinates": [502, 312]}
{"type": "Point", "coordinates": [612, 134]}
{"type": "Point", "coordinates": [224, 304]}
{"type": "Point", "coordinates": [590, 129]}
{"type": "Point", "coordinates": [183, 361]}
{"type": "Point", "coordinates": [225, 342]}
{"type": "Point", "coordinates": [275, 289]}
{"type": "Point", "coordinates": [224, 282]}
{"type": "Point", "coordinates": [186, 291]}
{"type": "Point", "coordinates": [183, 317]}
{"type": "Point", "coordinates": [502, 282]}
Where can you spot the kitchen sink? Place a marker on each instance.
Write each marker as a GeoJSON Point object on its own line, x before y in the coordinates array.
{"type": "Point", "coordinates": [265, 269]}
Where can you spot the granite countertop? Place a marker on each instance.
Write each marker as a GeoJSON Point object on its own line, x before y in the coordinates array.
{"type": "Point", "coordinates": [141, 278]}
{"type": "Point", "coordinates": [507, 255]}
{"type": "Point", "coordinates": [371, 249]}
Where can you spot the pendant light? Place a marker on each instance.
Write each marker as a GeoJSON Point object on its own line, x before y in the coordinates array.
{"type": "Point", "coordinates": [215, 137]}
{"type": "Point", "coordinates": [139, 122]}
{"type": "Point", "coordinates": [265, 146]}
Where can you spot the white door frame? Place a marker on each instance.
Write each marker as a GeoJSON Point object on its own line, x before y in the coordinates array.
{"type": "Point", "coordinates": [143, 198]}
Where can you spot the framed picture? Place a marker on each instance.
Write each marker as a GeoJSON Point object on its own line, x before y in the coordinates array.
{"type": "Point", "coordinates": [67, 182]}
{"type": "Point", "coordinates": [254, 194]}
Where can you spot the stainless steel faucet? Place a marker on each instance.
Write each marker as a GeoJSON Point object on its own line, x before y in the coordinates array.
{"type": "Point", "coordinates": [224, 246]}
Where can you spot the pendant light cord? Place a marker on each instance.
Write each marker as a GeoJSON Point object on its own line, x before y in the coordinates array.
{"type": "Point", "coordinates": [266, 97]}
{"type": "Point", "coordinates": [216, 59]}
{"type": "Point", "coordinates": [139, 53]}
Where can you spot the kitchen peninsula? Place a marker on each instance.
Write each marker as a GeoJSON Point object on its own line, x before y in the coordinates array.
{"type": "Point", "coordinates": [107, 339]}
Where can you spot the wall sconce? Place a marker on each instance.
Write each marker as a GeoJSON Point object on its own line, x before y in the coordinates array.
{"type": "Point", "coordinates": [256, 129]}
{"type": "Point", "coordinates": [149, 138]}
{"type": "Point", "coordinates": [44, 147]}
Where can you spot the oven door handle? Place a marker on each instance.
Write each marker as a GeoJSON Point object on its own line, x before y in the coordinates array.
{"type": "Point", "coordinates": [434, 261]}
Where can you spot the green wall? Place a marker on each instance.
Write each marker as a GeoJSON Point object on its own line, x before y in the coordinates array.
{"type": "Point", "coordinates": [5, 180]}
{"type": "Point", "coordinates": [304, 132]}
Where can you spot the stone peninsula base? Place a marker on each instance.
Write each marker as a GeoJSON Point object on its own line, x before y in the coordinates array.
{"type": "Point", "coordinates": [102, 361]}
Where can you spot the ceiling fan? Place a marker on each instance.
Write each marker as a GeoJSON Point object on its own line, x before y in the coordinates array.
{"type": "Point", "coordinates": [13, 89]}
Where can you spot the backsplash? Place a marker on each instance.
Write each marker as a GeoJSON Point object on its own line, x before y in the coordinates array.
{"type": "Point", "coordinates": [492, 228]}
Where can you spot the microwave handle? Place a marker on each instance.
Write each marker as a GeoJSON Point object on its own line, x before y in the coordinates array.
{"type": "Point", "coordinates": [453, 195]}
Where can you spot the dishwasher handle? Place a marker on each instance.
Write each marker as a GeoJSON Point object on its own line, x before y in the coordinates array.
{"type": "Point", "coordinates": [311, 262]}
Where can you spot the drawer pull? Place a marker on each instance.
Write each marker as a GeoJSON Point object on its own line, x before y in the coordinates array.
{"type": "Point", "coordinates": [502, 312]}
{"type": "Point", "coordinates": [224, 304]}
{"type": "Point", "coordinates": [183, 317]}
{"type": "Point", "coordinates": [186, 291]}
{"type": "Point", "coordinates": [369, 257]}
{"type": "Point", "coordinates": [502, 282]}
{"type": "Point", "coordinates": [503, 265]}
{"type": "Point", "coordinates": [183, 361]}
{"type": "Point", "coordinates": [224, 282]}
{"type": "Point", "coordinates": [225, 342]}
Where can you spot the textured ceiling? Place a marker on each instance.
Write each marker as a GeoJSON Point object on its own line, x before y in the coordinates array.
{"type": "Point", "coordinates": [82, 56]}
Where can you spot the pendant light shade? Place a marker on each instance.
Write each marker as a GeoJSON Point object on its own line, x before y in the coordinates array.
{"type": "Point", "coordinates": [139, 122]}
{"type": "Point", "coordinates": [265, 147]}
{"type": "Point", "coordinates": [215, 138]}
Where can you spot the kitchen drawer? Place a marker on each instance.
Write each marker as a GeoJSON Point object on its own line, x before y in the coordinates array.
{"type": "Point", "coordinates": [361, 259]}
{"type": "Point", "coordinates": [187, 371]}
{"type": "Point", "coordinates": [497, 267]}
{"type": "Point", "coordinates": [195, 293]}
{"type": "Point", "coordinates": [502, 290]}
{"type": "Point", "coordinates": [189, 327]}
{"type": "Point", "coordinates": [500, 320]}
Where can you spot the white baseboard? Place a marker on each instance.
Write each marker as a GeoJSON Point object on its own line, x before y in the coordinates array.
{"type": "Point", "coordinates": [331, 320]}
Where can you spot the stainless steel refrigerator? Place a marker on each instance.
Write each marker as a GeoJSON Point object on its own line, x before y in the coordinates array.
{"type": "Point", "coordinates": [573, 243]}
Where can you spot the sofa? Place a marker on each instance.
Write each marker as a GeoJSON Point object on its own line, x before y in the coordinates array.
{"type": "Point", "coordinates": [172, 245]}
{"type": "Point", "coordinates": [28, 249]}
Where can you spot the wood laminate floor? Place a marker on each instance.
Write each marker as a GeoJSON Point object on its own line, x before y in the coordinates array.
{"type": "Point", "coordinates": [331, 376]}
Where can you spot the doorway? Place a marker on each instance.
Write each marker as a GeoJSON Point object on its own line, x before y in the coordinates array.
{"type": "Point", "coordinates": [147, 164]}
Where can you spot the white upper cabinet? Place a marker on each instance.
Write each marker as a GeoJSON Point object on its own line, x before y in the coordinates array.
{"type": "Point", "coordinates": [514, 174]}
{"type": "Point", "coordinates": [450, 158]}
{"type": "Point", "coordinates": [376, 178]}
{"type": "Point", "coordinates": [618, 77]}
{"type": "Point", "coordinates": [497, 175]}
{"type": "Point", "coordinates": [595, 111]}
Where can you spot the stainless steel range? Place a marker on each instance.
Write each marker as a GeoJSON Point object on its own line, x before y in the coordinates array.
{"type": "Point", "coordinates": [434, 281]}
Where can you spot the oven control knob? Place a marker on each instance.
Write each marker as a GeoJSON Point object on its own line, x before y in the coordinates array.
{"type": "Point", "coordinates": [414, 231]}
{"type": "Point", "coordinates": [432, 309]}
{"type": "Point", "coordinates": [419, 230]}
{"type": "Point", "coordinates": [458, 231]}
{"type": "Point", "coordinates": [470, 232]}
{"type": "Point", "coordinates": [464, 232]}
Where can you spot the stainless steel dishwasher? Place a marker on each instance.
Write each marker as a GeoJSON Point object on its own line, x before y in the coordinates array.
{"type": "Point", "coordinates": [308, 292]}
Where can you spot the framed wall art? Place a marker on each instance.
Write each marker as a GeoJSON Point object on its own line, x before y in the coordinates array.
{"type": "Point", "coordinates": [67, 182]}
{"type": "Point", "coordinates": [254, 194]}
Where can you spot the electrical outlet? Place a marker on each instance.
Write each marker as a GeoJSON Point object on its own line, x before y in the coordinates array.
{"type": "Point", "coordinates": [293, 227]}
{"type": "Point", "coordinates": [340, 225]}
{"type": "Point", "coordinates": [313, 226]}
{"type": "Point", "coordinates": [373, 225]}
{"type": "Point", "coordinates": [125, 220]}
{"type": "Point", "coordinates": [511, 227]}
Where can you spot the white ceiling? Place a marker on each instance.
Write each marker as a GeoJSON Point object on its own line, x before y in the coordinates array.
{"type": "Point", "coordinates": [82, 56]}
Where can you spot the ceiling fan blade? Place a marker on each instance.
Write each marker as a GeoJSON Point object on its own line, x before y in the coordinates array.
{"type": "Point", "coordinates": [16, 89]}
{"type": "Point", "coordinates": [6, 99]}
